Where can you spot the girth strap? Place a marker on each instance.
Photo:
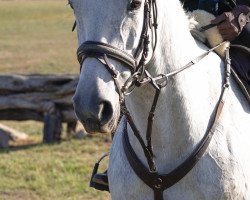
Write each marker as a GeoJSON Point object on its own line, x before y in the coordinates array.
{"type": "Point", "coordinates": [99, 49]}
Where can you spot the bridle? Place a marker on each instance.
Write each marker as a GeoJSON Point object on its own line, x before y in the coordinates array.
{"type": "Point", "coordinates": [136, 63]}
{"type": "Point", "coordinates": [140, 76]}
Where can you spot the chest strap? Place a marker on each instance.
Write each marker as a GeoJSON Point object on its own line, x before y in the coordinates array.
{"type": "Point", "coordinates": [160, 182]}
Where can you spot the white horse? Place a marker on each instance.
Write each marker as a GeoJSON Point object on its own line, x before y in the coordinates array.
{"type": "Point", "coordinates": [183, 111]}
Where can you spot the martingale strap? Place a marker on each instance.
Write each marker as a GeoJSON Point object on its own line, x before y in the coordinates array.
{"type": "Point", "coordinates": [160, 182]}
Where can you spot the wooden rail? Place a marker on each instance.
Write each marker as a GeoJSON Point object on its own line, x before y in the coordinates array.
{"type": "Point", "coordinates": [44, 98]}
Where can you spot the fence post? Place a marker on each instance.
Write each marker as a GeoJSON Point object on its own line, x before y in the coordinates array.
{"type": "Point", "coordinates": [52, 125]}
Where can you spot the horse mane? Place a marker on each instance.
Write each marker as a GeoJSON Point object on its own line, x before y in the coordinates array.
{"type": "Point", "coordinates": [177, 33]}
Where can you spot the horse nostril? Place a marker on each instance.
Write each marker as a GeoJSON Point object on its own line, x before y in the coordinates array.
{"type": "Point", "coordinates": [106, 112]}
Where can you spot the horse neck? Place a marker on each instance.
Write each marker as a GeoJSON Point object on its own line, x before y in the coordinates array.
{"type": "Point", "coordinates": [177, 127]}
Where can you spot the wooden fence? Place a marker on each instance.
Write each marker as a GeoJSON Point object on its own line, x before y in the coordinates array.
{"type": "Point", "coordinates": [44, 98]}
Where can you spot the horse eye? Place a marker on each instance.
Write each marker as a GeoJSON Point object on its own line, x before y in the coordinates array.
{"type": "Point", "coordinates": [134, 5]}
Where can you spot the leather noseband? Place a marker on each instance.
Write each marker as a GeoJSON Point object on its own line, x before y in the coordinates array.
{"type": "Point", "coordinates": [96, 49]}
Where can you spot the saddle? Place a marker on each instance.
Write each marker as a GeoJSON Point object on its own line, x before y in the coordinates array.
{"type": "Point", "coordinates": [210, 36]}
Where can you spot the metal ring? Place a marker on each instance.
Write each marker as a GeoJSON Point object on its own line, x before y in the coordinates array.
{"type": "Point", "coordinates": [163, 83]}
{"type": "Point", "coordinates": [129, 84]}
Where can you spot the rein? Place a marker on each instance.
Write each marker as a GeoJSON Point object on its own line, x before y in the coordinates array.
{"type": "Point", "coordinates": [140, 76]}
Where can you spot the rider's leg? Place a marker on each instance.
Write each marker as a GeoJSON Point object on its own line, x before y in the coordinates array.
{"type": "Point", "coordinates": [244, 37]}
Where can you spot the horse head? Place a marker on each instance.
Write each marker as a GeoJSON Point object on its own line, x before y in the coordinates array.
{"type": "Point", "coordinates": [113, 40]}
{"type": "Point", "coordinates": [114, 26]}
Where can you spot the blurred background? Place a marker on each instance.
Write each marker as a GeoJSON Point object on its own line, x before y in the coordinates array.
{"type": "Point", "coordinates": [36, 38]}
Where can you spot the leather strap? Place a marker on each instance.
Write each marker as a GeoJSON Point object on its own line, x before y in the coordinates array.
{"type": "Point", "coordinates": [94, 49]}
{"type": "Point", "coordinates": [160, 182]}
{"type": "Point", "coordinates": [158, 195]}
{"type": "Point", "coordinates": [163, 181]}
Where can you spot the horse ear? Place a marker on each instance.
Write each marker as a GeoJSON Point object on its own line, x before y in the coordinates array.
{"type": "Point", "coordinates": [134, 5]}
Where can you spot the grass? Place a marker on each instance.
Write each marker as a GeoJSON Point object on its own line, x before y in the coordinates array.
{"type": "Point", "coordinates": [36, 37]}
{"type": "Point", "coordinates": [59, 171]}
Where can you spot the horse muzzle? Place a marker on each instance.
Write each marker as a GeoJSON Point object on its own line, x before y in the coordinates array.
{"type": "Point", "coordinates": [96, 117]}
